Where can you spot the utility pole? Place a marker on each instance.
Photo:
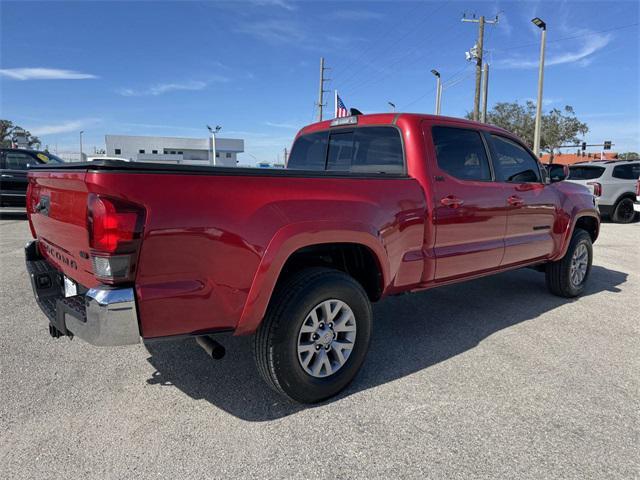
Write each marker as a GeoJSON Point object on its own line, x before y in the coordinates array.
{"type": "Point", "coordinates": [485, 92]}
{"type": "Point", "coordinates": [321, 90]}
{"type": "Point", "coordinates": [284, 158]}
{"type": "Point", "coordinates": [476, 52]}
{"type": "Point", "coordinates": [536, 135]}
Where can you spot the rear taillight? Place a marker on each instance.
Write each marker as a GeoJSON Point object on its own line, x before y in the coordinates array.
{"type": "Point", "coordinates": [32, 201]}
{"type": "Point", "coordinates": [597, 188]}
{"type": "Point", "coordinates": [115, 230]}
{"type": "Point", "coordinates": [638, 188]}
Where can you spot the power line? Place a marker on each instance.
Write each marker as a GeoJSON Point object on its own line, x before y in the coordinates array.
{"type": "Point", "coordinates": [359, 83]}
{"type": "Point", "coordinates": [373, 45]}
{"type": "Point", "coordinates": [409, 31]}
{"type": "Point", "coordinates": [561, 39]}
{"type": "Point", "coordinates": [448, 84]}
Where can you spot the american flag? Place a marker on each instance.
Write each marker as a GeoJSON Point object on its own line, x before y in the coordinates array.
{"type": "Point", "coordinates": [341, 110]}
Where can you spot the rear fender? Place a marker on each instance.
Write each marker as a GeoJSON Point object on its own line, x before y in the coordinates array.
{"type": "Point", "coordinates": [288, 240]}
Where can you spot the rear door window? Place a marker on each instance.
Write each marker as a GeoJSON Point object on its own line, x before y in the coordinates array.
{"type": "Point", "coordinates": [513, 163]}
{"type": "Point", "coordinates": [309, 152]}
{"type": "Point", "coordinates": [18, 161]}
{"type": "Point", "coordinates": [461, 153]}
{"type": "Point", "coordinates": [626, 172]}
{"type": "Point", "coordinates": [585, 173]}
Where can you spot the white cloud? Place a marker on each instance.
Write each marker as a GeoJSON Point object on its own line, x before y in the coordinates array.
{"type": "Point", "coordinates": [624, 132]}
{"type": "Point", "coordinates": [582, 56]}
{"type": "Point", "coordinates": [64, 127]}
{"type": "Point", "coordinates": [282, 125]}
{"type": "Point", "coordinates": [44, 74]}
{"type": "Point", "coordinates": [162, 88]}
{"type": "Point", "coordinates": [275, 3]}
{"type": "Point", "coordinates": [546, 101]}
{"type": "Point", "coordinates": [354, 15]}
{"type": "Point", "coordinates": [273, 31]}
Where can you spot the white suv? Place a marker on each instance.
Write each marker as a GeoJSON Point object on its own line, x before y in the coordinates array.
{"type": "Point", "coordinates": [613, 182]}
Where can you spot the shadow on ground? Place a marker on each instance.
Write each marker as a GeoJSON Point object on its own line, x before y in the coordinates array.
{"type": "Point", "coordinates": [12, 214]}
{"type": "Point", "coordinates": [410, 333]}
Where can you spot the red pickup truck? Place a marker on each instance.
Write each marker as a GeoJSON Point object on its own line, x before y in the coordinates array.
{"type": "Point", "coordinates": [368, 206]}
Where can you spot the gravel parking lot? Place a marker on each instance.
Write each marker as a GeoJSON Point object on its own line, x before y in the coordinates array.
{"type": "Point", "coordinates": [491, 378]}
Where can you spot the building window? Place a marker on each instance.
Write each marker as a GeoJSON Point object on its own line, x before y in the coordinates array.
{"type": "Point", "coordinates": [118, 151]}
{"type": "Point", "coordinates": [228, 155]}
{"type": "Point", "coordinates": [173, 152]}
{"type": "Point", "coordinates": [217, 154]}
{"type": "Point", "coordinates": [140, 151]}
{"type": "Point", "coordinates": [154, 151]}
{"type": "Point", "coordinates": [180, 153]}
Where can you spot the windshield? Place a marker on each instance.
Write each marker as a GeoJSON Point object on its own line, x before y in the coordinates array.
{"type": "Point", "coordinates": [585, 173]}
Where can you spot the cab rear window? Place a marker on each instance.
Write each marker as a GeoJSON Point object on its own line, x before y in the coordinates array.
{"type": "Point", "coordinates": [361, 150]}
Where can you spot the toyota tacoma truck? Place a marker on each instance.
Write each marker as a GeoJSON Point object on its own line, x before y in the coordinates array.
{"type": "Point", "coordinates": [368, 206]}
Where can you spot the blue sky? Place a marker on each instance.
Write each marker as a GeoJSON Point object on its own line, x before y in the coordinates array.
{"type": "Point", "coordinates": [170, 68]}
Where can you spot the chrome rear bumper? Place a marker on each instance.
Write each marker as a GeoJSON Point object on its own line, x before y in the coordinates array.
{"type": "Point", "coordinates": [100, 316]}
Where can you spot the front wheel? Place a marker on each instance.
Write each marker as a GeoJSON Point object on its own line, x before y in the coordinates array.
{"type": "Point", "coordinates": [315, 335]}
{"type": "Point", "coordinates": [567, 277]}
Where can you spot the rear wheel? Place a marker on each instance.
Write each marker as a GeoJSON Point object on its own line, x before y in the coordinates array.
{"type": "Point", "coordinates": [567, 277]}
{"type": "Point", "coordinates": [623, 211]}
{"type": "Point", "coordinates": [315, 336]}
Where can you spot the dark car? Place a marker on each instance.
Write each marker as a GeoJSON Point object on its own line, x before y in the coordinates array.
{"type": "Point", "coordinates": [14, 164]}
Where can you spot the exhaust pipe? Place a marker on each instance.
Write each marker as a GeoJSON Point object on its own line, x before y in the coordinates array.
{"type": "Point", "coordinates": [213, 348]}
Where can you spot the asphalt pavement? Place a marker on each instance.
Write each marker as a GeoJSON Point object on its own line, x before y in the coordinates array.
{"type": "Point", "coordinates": [494, 378]}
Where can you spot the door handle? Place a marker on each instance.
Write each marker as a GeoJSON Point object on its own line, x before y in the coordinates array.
{"type": "Point", "coordinates": [515, 201]}
{"type": "Point", "coordinates": [451, 201]}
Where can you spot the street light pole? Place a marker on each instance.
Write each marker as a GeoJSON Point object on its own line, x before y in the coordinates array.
{"type": "Point", "coordinates": [213, 132]}
{"type": "Point", "coordinates": [485, 92]}
{"type": "Point", "coordinates": [81, 132]}
{"type": "Point", "coordinates": [536, 136]}
{"type": "Point", "coordinates": [438, 91]}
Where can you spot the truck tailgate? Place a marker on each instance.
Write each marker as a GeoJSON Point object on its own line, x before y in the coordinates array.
{"type": "Point", "coordinates": [57, 206]}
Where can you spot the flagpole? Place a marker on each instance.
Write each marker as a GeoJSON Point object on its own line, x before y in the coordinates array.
{"type": "Point", "coordinates": [335, 104]}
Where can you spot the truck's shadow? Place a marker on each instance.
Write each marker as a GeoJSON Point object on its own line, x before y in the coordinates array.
{"type": "Point", "coordinates": [410, 333]}
{"type": "Point", "coordinates": [12, 214]}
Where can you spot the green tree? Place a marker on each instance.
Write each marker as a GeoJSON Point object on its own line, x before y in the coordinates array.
{"type": "Point", "coordinates": [7, 129]}
{"type": "Point", "coordinates": [559, 126]}
{"type": "Point", "coordinates": [628, 156]}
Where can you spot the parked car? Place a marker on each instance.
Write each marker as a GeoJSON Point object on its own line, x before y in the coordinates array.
{"type": "Point", "coordinates": [14, 164]}
{"type": "Point", "coordinates": [368, 206]}
{"type": "Point", "coordinates": [636, 205]}
{"type": "Point", "coordinates": [613, 182]}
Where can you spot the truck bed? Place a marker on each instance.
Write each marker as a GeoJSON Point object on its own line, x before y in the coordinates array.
{"type": "Point", "coordinates": [215, 238]}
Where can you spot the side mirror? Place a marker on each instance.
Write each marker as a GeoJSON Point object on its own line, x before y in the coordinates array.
{"type": "Point", "coordinates": [557, 172]}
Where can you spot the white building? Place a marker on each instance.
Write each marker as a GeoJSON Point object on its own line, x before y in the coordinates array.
{"type": "Point", "coordinates": [193, 151]}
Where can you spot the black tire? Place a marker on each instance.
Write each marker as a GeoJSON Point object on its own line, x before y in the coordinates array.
{"type": "Point", "coordinates": [558, 274]}
{"type": "Point", "coordinates": [623, 211]}
{"type": "Point", "coordinates": [275, 342]}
